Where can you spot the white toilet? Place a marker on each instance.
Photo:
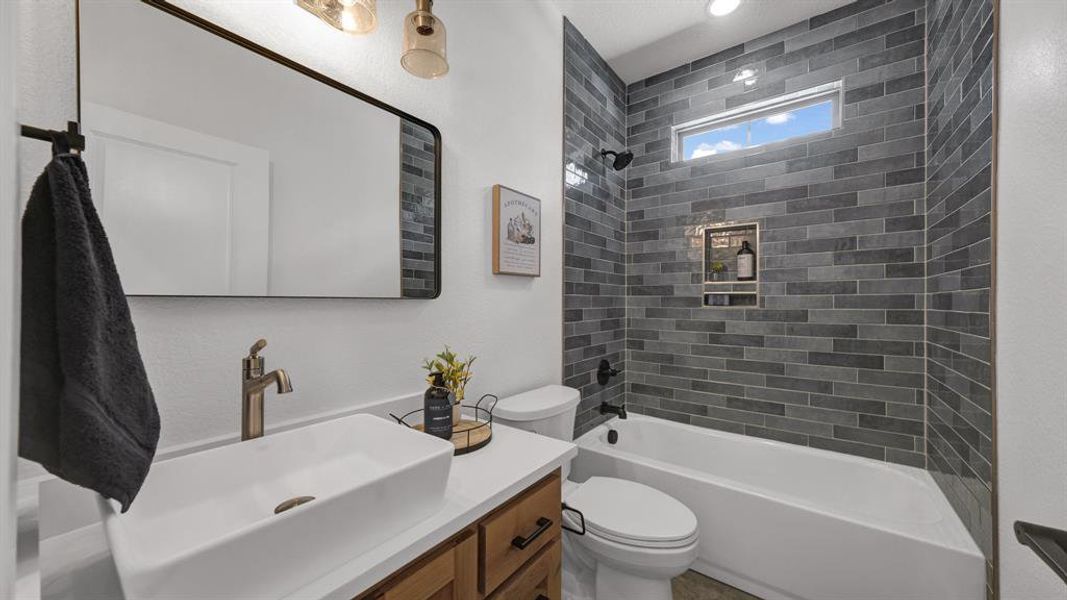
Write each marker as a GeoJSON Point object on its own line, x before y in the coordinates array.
{"type": "Point", "coordinates": [637, 538]}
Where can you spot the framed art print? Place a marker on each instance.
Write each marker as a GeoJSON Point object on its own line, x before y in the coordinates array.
{"type": "Point", "coordinates": [516, 233]}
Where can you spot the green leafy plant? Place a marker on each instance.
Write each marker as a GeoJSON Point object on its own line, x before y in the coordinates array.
{"type": "Point", "coordinates": [455, 372]}
{"type": "Point", "coordinates": [717, 267]}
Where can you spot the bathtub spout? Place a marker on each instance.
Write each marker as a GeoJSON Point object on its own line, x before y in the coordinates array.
{"type": "Point", "coordinates": [607, 409]}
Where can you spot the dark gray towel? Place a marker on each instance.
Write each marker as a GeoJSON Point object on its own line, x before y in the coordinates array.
{"type": "Point", "coordinates": [87, 411]}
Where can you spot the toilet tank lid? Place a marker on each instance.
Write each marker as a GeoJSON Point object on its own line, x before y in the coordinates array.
{"type": "Point", "coordinates": [540, 403]}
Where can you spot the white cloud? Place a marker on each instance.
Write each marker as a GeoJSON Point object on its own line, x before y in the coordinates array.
{"type": "Point", "coordinates": [706, 149]}
{"type": "Point", "coordinates": [780, 118]}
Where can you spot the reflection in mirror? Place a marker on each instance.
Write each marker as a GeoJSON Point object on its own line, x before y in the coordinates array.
{"type": "Point", "coordinates": [417, 211]}
{"type": "Point", "coordinates": [218, 171]}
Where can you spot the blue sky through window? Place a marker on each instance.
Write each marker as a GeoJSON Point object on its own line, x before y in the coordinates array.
{"type": "Point", "coordinates": [756, 132]}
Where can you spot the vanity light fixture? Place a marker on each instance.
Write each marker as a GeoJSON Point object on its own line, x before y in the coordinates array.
{"type": "Point", "coordinates": [719, 8]}
{"type": "Point", "coordinates": [424, 52]}
{"type": "Point", "coordinates": [748, 74]}
{"type": "Point", "coordinates": [357, 17]}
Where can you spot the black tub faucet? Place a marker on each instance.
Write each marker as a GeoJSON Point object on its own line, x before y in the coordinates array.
{"type": "Point", "coordinates": [607, 409]}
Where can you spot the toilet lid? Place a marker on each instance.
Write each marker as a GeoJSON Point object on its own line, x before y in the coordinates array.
{"type": "Point", "coordinates": [629, 511]}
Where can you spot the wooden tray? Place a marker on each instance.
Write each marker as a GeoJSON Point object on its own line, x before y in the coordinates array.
{"type": "Point", "coordinates": [468, 435]}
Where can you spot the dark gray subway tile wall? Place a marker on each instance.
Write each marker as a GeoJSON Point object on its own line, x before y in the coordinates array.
{"type": "Point", "coordinates": [417, 212]}
{"type": "Point", "coordinates": [833, 356]}
{"type": "Point", "coordinates": [594, 230]}
{"type": "Point", "coordinates": [872, 336]}
{"type": "Point", "coordinates": [959, 251]}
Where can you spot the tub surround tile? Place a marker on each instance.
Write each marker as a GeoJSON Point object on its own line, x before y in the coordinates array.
{"type": "Point", "coordinates": [842, 242]}
{"type": "Point", "coordinates": [959, 428]}
{"type": "Point", "coordinates": [872, 333]}
{"type": "Point", "coordinates": [594, 231]}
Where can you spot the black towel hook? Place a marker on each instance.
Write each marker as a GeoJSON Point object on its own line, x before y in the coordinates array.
{"type": "Point", "coordinates": [60, 144]}
{"type": "Point", "coordinates": [63, 141]}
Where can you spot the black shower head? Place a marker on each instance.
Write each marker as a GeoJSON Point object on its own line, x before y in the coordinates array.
{"type": "Point", "coordinates": [622, 159]}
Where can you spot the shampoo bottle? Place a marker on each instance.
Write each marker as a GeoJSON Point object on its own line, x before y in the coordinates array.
{"type": "Point", "coordinates": [437, 409]}
{"type": "Point", "coordinates": [746, 263]}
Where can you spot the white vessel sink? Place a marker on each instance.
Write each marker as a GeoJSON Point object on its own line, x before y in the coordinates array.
{"type": "Point", "coordinates": [204, 525]}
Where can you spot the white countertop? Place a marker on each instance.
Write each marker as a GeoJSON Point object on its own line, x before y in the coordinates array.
{"type": "Point", "coordinates": [79, 563]}
{"type": "Point", "coordinates": [478, 483]}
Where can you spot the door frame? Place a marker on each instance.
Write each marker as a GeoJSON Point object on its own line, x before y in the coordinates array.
{"type": "Point", "coordinates": [9, 296]}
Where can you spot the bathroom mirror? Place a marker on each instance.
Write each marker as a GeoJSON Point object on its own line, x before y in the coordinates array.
{"type": "Point", "coordinates": [220, 168]}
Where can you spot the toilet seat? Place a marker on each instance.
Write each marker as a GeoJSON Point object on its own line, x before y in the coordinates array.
{"type": "Point", "coordinates": [632, 514]}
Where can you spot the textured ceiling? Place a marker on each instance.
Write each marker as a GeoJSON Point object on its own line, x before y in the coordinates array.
{"type": "Point", "coordinates": [640, 38]}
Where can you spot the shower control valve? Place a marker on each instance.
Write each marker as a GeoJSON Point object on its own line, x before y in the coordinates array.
{"type": "Point", "coordinates": [604, 372]}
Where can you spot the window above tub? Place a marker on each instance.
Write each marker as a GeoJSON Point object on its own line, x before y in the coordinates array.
{"type": "Point", "coordinates": [802, 113]}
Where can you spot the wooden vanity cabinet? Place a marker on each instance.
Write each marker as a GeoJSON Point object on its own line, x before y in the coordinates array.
{"type": "Point", "coordinates": [513, 553]}
{"type": "Point", "coordinates": [539, 579]}
{"type": "Point", "coordinates": [448, 572]}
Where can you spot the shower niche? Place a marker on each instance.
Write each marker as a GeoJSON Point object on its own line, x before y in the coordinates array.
{"type": "Point", "coordinates": [722, 286]}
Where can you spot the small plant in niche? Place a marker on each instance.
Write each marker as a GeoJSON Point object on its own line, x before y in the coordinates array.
{"type": "Point", "coordinates": [718, 271]}
{"type": "Point", "coordinates": [456, 372]}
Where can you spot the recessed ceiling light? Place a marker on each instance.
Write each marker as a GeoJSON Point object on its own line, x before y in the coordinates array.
{"type": "Point", "coordinates": [718, 8]}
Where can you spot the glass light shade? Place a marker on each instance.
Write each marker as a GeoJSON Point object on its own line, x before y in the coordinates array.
{"type": "Point", "coordinates": [359, 16]}
{"type": "Point", "coordinates": [424, 44]}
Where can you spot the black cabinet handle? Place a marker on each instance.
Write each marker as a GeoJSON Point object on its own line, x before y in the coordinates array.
{"type": "Point", "coordinates": [542, 526]}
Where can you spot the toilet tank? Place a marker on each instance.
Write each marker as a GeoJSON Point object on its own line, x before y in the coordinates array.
{"type": "Point", "coordinates": [548, 410]}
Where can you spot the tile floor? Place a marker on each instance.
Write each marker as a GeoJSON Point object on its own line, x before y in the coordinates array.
{"type": "Point", "coordinates": [694, 586]}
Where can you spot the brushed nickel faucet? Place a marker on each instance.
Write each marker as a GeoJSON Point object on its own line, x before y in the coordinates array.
{"type": "Point", "coordinates": [253, 384]}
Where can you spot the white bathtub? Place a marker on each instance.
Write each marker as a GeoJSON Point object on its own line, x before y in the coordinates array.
{"type": "Point", "coordinates": [787, 522]}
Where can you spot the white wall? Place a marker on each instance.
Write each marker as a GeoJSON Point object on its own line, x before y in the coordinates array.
{"type": "Point", "coordinates": [9, 297]}
{"type": "Point", "coordinates": [500, 114]}
{"type": "Point", "coordinates": [1031, 287]}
